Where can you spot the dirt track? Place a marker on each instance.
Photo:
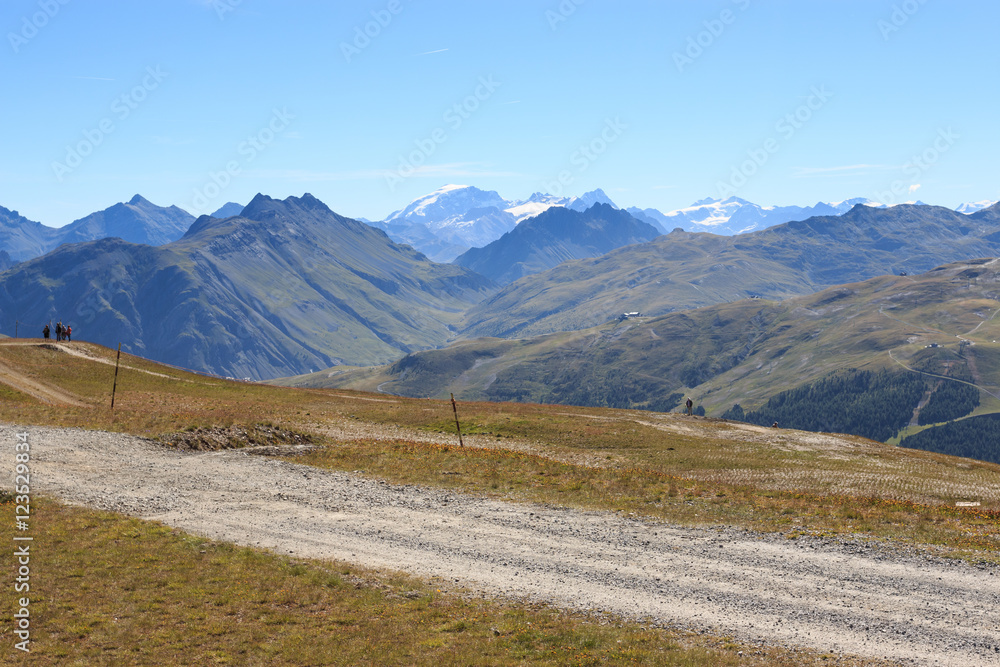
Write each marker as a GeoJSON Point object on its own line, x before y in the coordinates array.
{"type": "Point", "coordinates": [42, 392]}
{"type": "Point", "coordinates": [835, 596]}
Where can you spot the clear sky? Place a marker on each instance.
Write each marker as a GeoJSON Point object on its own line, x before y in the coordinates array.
{"type": "Point", "coordinates": [200, 102]}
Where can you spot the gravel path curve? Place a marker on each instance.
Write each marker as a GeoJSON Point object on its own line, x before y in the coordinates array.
{"type": "Point", "coordinates": [838, 596]}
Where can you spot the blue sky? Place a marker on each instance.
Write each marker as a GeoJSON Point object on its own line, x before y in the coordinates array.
{"type": "Point", "coordinates": [200, 102]}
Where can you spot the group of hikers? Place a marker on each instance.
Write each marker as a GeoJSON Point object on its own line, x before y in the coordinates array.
{"type": "Point", "coordinates": [62, 333]}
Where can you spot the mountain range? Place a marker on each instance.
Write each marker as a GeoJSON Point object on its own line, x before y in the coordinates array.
{"type": "Point", "coordinates": [684, 270]}
{"type": "Point", "coordinates": [442, 224]}
{"type": "Point", "coordinates": [137, 221]}
{"type": "Point", "coordinates": [284, 285]}
{"type": "Point", "coordinates": [737, 216]}
{"type": "Point", "coordinates": [455, 218]}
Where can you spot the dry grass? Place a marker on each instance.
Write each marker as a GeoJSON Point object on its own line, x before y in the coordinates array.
{"type": "Point", "coordinates": [686, 470]}
{"type": "Point", "coordinates": [970, 533]}
{"type": "Point", "coordinates": [112, 590]}
{"type": "Point", "coordinates": [108, 590]}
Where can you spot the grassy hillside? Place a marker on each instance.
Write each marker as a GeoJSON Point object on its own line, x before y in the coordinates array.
{"type": "Point", "coordinates": [744, 352]}
{"type": "Point", "coordinates": [689, 471]}
{"type": "Point", "coordinates": [682, 270]}
{"type": "Point", "coordinates": [637, 460]}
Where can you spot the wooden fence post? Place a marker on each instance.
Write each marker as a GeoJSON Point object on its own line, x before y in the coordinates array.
{"type": "Point", "coordinates": [458, 426]}
{"type": "Point", "coordinates": [114, 387]}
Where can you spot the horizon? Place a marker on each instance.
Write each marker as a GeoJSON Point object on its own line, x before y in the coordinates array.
{"type": "Point", "coordinates": [373, 105]}
{"type": "Point", "coordinates": [707, 200]}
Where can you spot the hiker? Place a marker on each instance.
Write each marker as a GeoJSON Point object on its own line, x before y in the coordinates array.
{"type": "Point", "coordinates": [689, 404]}
{"type": "Point", "coordinates": [59, 330]}
{"type": "Point", "coordinates": [45, 332]}
{"type": "Point", "coordinates": [69, 333]}
{"type": "Point", "coordinates": [774, 425]}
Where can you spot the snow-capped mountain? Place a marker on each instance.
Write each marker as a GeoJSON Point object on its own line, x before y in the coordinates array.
{"type": "Point", "coordinates": [588, 199]}
{"type": "Point", "coordinates": [448, 202]}
{"type": "Point", "coordinates": [737, 216]}
{"type": "Point", "coordinates": [447, 222]}
{"type": "Point", "coordinates": [972, 207]}
{"type": "Point", "coordinates": [536, 204]}
{"type": "Point", "coordinates": [450, 220]}
{"type": "Point", "coordinates": [454, 218]}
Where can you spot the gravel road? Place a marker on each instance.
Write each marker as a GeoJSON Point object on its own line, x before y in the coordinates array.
{"type": "Point", "coordinates": [835, 595]}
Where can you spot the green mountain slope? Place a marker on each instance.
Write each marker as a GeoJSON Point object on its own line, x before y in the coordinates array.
{"type": "Point", "coordinates": [680, 270]}
{"type": "Point", "coordinates": [744, 352]}
{"type": "Point", "coordinates": [283, 288]}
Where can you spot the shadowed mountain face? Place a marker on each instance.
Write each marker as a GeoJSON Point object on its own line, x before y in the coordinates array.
{"type": "Point", "coordinates": [555, 236]}
{"type": "Point", "coordinates": [23, 239]}
{"type": "Point", "coordinates": [138, 221]}
{"type": "Point", "coordinates": [228, 210]}
{"type": "Point", "coordinates": [683, 270]}
{"type": "Point", "coordinates": [286, 287]}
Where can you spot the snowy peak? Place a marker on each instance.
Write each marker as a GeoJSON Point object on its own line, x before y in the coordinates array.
{"type": "Point", "coordinates": [534, 205]}
{"type": "Point", "coordinates": [588, 199]}
{"type": "Point", "coordinates": [447, 202]}
{"type": "Point", "coordinates": [972, 207]}
{"type": "Point", "coordinates": [738, 216]}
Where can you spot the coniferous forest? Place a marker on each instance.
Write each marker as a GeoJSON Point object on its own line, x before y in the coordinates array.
{"type": "Point", "coordinates": [952, 400]}
{"type": "Point", "coordinates": [874, 405]}
{"type": "Point", "coordinates": [975, 438]}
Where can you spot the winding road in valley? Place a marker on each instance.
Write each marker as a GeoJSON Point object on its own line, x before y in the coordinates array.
{"type": "Point", "coordinates": [836, 595]}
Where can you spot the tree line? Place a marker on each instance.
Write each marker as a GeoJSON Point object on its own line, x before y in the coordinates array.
{"type": "Point", "coordinates": [974, 438]}
{"type": "Point", "coordinates": [874, 405]}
